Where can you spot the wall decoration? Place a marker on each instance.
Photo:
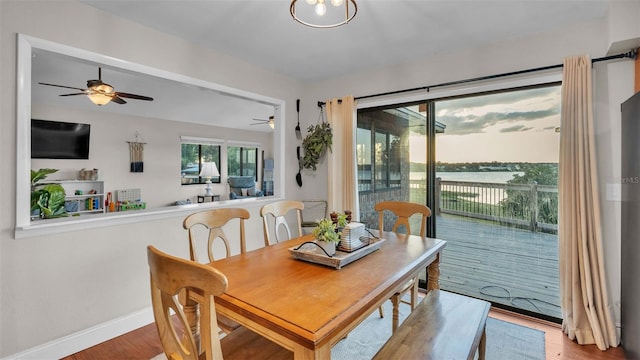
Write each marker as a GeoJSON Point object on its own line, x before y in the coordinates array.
{"type": "Point", "coordinates": [136, 150]}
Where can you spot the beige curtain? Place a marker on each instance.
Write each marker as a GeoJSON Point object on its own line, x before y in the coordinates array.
{"type": "Point", "coordinates": [586, 309]}
{"type": "Point", "coordinates": [342, 182]}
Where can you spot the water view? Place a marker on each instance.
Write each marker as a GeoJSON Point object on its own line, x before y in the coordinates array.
{"type": "Point", "coordinates": [497, 177]}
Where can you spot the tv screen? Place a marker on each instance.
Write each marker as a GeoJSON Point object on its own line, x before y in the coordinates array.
{"type": "Point", "coordinates": [59, 140]}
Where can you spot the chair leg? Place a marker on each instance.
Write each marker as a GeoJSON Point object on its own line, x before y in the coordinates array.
{"type": "Point", "coordinates": [381, 311]}
{"type": "Point", "coordinates": [482, 347]}
{"type": "Point", "coordinates": [395, 299]}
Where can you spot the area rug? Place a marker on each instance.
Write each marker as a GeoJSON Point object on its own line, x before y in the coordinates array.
{"type": "Point", "coordinates": [505, 341]}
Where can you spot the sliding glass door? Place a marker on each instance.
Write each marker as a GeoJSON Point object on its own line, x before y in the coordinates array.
{"type": "Point", "coordinates": [497, 203]}
{"type": "Point", "coordinates": [487, 166]}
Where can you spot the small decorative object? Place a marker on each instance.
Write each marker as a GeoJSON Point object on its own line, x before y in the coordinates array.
{"type": "Point", "coordinates": [340, 220]}
{"type": "Point", "coordinates": [209, 170]}
{"type": "Point", "coordinates": [327, 236]}
{"type": "Point", "coordinates": [136, 149]}
{"type": "Point", "coordinates": [183, 202]}
{"type": "Point", "coordinates": [316, 143]}
{"type": "Point", "coordinates": [85, 174]}
{"type": "Point", "coordinates": [308, 251]}
{"type": "Point", "coordinates": [352, 236]}
{"type": "Point", "coordinates": [348, 214]}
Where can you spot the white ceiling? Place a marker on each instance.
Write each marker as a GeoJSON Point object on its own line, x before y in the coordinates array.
{"type": "Point", "coordinates": [384, 33]}
{"type": "Point", "coordinates": [172, 100]}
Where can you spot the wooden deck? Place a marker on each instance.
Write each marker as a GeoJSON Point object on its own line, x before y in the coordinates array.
{"type": "Point", "coordinates": [501, 264]}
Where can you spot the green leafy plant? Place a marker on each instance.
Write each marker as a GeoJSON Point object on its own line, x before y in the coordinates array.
{"type": "Point", "coordinates": [326, 231]}
{"type": "Point", "coordinates": [47, 199]}
{"type": "Point", "coordinates": [340, 219]}
{"type": "Point", "coordinates": [315, 144]}
{"type": "Point", "coordinates": [40, 175]}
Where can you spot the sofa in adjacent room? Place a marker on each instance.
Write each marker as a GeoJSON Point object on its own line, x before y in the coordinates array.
{"type": "Point", "coordinates": [243, 187]}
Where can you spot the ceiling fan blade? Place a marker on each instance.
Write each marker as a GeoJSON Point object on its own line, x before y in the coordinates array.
{"type": "Point", "coordinates": [62, 86]}
{"type": "Point", "coordinates": [260, 123]}
{"type": "Point", "coordinates": [73, 94]}
{"type": "Point", "coordinates": [133, 96]}
{"type": "Point", "coordinates": [117, 100]}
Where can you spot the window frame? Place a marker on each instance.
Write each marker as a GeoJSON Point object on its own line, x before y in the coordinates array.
{"type": "Point", "coordinates": [185, 140]}
{"type": "Point", "coordinates": [385, 182]}
{"type": "Point", "coordinates": [243, 147]}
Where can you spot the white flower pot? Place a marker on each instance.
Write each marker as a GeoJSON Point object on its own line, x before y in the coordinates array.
{"type": "Point", "coordinates": [328, 246]}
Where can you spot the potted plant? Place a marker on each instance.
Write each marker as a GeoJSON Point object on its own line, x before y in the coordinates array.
{"type": "Point", "coordinates": [326, 236]}
{"type": "Point", "coordinates": [339, 219]}
{"type": "Point", "coordinates": [315, 144]}
{"type": "Point", "coordinates": [47, 200]}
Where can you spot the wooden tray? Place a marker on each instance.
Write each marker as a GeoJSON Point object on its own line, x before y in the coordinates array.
{"type": "Point", "coordinates": [312, 253]}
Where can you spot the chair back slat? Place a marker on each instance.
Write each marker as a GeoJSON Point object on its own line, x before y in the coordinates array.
{"type": "Point", "coordinates": [214, 220]}
{"type": "Point", "coordinates": [403, 211]}
{"type": "Point", "coordinates": [278, 211]}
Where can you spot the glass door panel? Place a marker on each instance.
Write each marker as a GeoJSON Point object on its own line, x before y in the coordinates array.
{"type": "Point", "coordinates": [389, 140]}
{"type": "Point", "coordinates": [497, 197]}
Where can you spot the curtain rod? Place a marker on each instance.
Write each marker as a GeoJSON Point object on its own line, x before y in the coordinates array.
{"type": "Point", "coordinates": [631, 54]}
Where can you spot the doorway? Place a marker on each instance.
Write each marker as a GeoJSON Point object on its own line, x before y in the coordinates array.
{"type": "Point", "coordinates": [487, 166]}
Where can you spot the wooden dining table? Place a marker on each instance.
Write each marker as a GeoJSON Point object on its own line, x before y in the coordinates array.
{"type": "Point", "coordinates": [307, 307]}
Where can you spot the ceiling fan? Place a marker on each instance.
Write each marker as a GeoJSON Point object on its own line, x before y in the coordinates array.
{"type": "Point", "coordinates": [101, 93]}
{"type": "Point", "coordinates": [269, 122]}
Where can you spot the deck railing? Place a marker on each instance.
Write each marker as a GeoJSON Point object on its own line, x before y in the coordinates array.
{"type": "Point", "coordinates": [523, 205]}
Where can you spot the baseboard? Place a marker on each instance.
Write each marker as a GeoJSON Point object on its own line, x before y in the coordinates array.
{"type": "Point", "coordinates": [81, 340]}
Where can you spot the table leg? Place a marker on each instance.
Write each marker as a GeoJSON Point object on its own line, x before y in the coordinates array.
{"type": "Point", "coordinates": [321, 353]}
{"type": "Point", "coordinates": [433, 274]}
{"type": "Point", "coordinates": [395, 300]}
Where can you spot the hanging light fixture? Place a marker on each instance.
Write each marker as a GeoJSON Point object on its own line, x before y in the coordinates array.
{"type": "Point", "coordinates": [101, 94]}
{"type": "Point", "coordinates": [320, 10]}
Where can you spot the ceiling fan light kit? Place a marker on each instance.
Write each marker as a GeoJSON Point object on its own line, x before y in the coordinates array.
{"type": "Point", "coordinates": [270, 122]}
{"type": "Point", "coordinates": [320, 10]}
{"type": "Point", "coordinates": [101, 93]}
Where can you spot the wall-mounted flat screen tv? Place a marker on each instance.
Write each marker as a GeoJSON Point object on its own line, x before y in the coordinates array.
{"type": "Point", "coordinates": [59, 140]}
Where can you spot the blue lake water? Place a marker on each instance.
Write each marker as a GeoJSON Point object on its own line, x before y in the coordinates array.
{"type": "Point", "coordinates": [499, 177]}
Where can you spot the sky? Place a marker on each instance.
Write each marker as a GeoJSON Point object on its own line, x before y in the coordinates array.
{"type": "Point", "coordinates": [517, 126]}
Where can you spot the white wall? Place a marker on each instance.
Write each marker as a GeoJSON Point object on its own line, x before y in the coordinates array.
{"type": "Point", "coordinates": [53, 286]}
{"type": "Point", "coordinates": [56, 285]}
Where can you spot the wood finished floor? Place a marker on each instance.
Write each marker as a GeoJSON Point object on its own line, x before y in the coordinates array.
{"type": "Point", "coordinates": [143, 343]}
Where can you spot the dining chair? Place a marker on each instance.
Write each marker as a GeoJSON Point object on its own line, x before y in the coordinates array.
{"type": "Point", "coordinates": [214, 220]}
{"type": "Point", "coordinates": [403, 210]}
{"type": "Point", "coordinates": [170, 276]}
{"type": "Point", "coordinates": [313, 212]}
{"type": "Point", "coordinates": [278, 211]}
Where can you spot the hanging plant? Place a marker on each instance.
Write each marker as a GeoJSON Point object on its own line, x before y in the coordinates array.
{"type": "Point", "coordinates": [315, 144]}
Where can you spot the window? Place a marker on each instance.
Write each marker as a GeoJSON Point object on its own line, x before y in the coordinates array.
{"type": "Point", "coordinates": [195, 152]}
{"type": "Point", "coordinates": [378, 153]}
{"type": "Point", "coordinates": [242, 161]}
